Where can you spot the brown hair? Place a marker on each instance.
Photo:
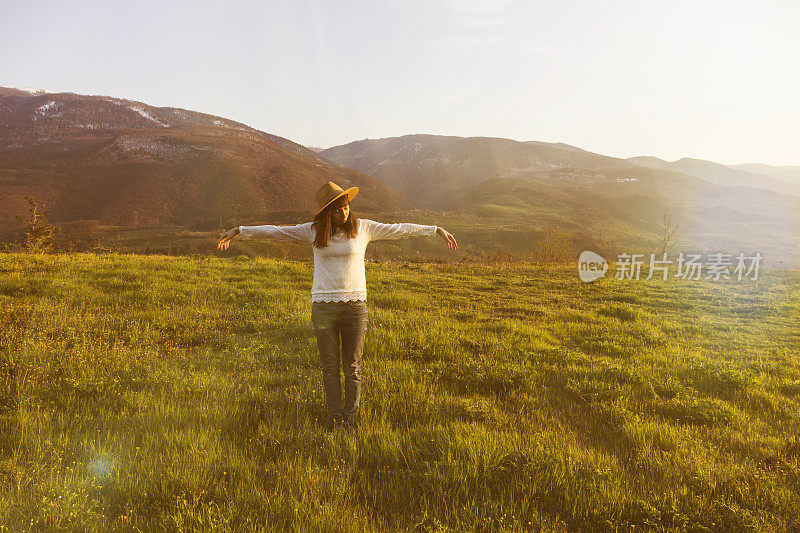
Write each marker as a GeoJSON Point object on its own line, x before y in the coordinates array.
{"type": "Point", "coordinates": [323, 222]}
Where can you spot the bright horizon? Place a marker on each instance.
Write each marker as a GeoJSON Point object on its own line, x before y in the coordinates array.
{"type": "Point", "coordinates": [708, 81]}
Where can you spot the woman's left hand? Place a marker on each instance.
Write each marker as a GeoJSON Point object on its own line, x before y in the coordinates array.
{"type": "Point", "coordinates": [447, 236]}
{"type": "Point", "coordinates": [225, 238]}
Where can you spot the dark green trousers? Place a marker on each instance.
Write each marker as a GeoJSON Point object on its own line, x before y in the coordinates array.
{"type": "Point", "coordinates": [346, 321]}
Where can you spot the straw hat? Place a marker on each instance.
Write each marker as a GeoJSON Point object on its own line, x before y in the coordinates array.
{"type": "Point", "coordinates": [329, 192]}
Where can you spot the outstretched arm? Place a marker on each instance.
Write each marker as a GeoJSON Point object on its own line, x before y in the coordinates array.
{"type": "Point", "coordinates": [299, 232]}
{"type": "Point", "coordinates": [379, 231]}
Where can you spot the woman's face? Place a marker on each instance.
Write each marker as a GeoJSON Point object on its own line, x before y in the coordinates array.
{"type": "Point", "coordinates": [341, 213]}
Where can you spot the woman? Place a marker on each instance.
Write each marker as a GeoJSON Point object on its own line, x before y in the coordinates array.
{"type": "Point", "coordinates": [339, 291]}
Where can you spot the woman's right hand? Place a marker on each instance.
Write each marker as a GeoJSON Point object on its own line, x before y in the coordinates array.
{"type": "Point", "coordinates": [447, 236]}
{"type": "Point", "coordinates": [225, 238]}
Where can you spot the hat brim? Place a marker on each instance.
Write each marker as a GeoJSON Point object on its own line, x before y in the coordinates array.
{"type": "Point", "coordinates": [351, 193]}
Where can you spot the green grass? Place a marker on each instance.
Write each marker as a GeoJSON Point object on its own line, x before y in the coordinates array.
{"type": "Point", "coordinates": [184, 393]}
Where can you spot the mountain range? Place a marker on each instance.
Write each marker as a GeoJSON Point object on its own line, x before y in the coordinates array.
{"type": "Point", "coordinates": [594, 197]}
{"type": "Point", "coordinates": [129, 164]}
{"type": "Point", "coordinates": [429, 168]}
{"type": "Point", "coordinates": [126, 163]}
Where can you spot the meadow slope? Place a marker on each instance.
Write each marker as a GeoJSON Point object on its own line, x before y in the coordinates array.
{"type": "Point", "coordinates": [182, 393]}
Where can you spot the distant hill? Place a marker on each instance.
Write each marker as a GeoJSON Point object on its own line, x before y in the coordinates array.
{"type": "Point", "coordinates": [722, 174]}
{"type": "Point", "coordinates": [649, 161]}
{"type": "Point", "coordinates": [126, 163]}
{"type": "Point", "coordinates": [428, 168]}
{"type": "Point", "coordinates": [598, 199]}
{"type": "Point", "coordinates": [787, 173]}
{"type": "Point", "coordinates": [20, 90]}
{"type": "Point", "coordinates": [562, 146]}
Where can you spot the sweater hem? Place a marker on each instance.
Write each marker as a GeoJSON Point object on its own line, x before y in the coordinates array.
{"type": "Point", "coordinates": [339, 296]}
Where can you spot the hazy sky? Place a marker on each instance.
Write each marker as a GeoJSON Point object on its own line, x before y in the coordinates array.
{"type": "Point", "coordinates": [713, 80]}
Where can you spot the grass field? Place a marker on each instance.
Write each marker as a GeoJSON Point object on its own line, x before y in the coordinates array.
{"type": "Point", "coordinates": [145, 393]}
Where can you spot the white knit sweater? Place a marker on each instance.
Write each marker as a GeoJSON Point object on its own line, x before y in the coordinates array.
{"type": "Point", "coordinates": [339, 267]}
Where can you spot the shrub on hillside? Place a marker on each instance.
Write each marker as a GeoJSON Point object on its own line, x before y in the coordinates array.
{"type": "Point", "coordinates": [39, 233]}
